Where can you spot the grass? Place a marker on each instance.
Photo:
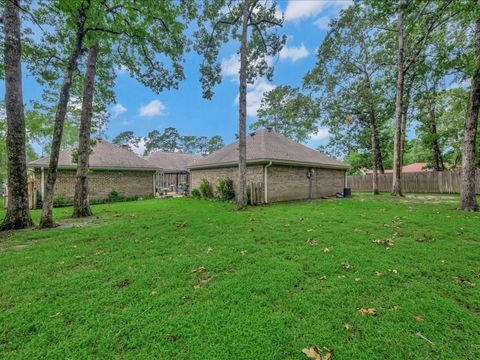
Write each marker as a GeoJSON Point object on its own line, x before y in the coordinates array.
{"type": "Point", "coordinates": [121, 284]}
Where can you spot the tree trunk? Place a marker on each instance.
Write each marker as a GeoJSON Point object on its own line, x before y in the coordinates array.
{"type": "Point", "coordinates": [81, 205]}
{"type": "Point", "coordinates": [242, 148]}
{"type": "Point", "coordinates": [46, 219]}
{"type": "Point", "coordinates": [468, 200]}
{"type": "Point", "coordinates": [397, 147]}
{"type": "Point", "coordinates": [375, 151]}
{"type": "Point", "coordinates": [18, 215]}
{"type": "Point", "coordinates": [437, 154]}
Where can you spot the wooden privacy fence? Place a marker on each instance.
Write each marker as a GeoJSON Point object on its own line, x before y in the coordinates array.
{"type": "Point", "coordinates": [421, 182]}
{"type": "Point", "coordinates": [32, 195]}
{"type": "Point", "coordinates": [256, 193]}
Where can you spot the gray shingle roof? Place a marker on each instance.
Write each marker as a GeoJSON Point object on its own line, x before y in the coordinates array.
{"type": "Point", "coordinates": [172, 161]}
{"type": "Point", "coordinates": [105, 155]}
{"type": "Point", "coordinates": [266, 146]}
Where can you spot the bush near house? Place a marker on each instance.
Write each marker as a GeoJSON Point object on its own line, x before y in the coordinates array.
{"type": "Point", "coordinates": [205, 189]}
{"type": "Point", "coordinates": [195, 193]}
{"type": "Point", "coordinates": [225, 190]}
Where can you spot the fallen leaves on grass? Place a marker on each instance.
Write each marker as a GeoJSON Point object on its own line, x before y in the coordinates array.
{"type": "Point", "coordinates": [476, 273]}
{"type": "Point", "coordinates": [122, 284]}
{"type": "Point", "coordinates": [462, 281]}
{"type": "Point", "coordinates": [367, 311]}
{"type": "Point", "coordinates": [425, 239]}
{"type": "Point", "coordinates": [418, 318]}
{"type": "Point", "coordinates": [180, 224]}
{"type": "Point", "coordinates": [346, 265]}
{"type": "Point", "coordinates": [209, 250]}
{"type": "Point", "coordinates": [356, 229]}
{"type": "Point", "coordinates": [350, 331]}
{"type": "Point", "coordinates": [324, 277]}
{"type": "Point", "coordinates": [317, 353]}
{"type": "Point", "coordinates": [357, 279]}
{"type": "Point", "coordinates": [378, 273]}
{"type": "Point", "coordinates": [387, 242]}
{"type": "Point", "coordinates": [243, 252]}
{"type": "Point", "coordinates": [198, 270]}
{"type": "Point", "coordinates": [56, 315]}
{"type": "Point", "coordinates": [309, 230]}
{"type": "Point", "coordinates": [327, 250]}
{"type": "Point", "coordinates": [203, 282]}
{"type": "Point", "coordinates": [396, 307]}
{"type": "Point", "coordinates": [312, 241]}
{"type": "Point", "coordinates": [393, 271]}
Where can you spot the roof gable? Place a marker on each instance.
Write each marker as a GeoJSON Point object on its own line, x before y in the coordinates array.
{"type": "Point", "coordinates": [173, 161]}
{"type": "Point", "coordinates": [105, 155]}
{"type": "Point", "coordinates": [269, 146]}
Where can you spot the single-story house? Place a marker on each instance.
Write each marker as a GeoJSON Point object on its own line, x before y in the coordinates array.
{"type": "Point", "coordinates": [174, 165]}
{"type": "Point", "coordinates": [112, 168]}
{"type": "Point", "coordinates": [286, 170]}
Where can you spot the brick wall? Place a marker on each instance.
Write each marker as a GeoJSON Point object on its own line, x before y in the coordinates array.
{"type": "Point", "coordinates": [291, 183]}
{"type": "Point", "coordinates": [102, 182]}
{"type": "Point", "coordinates": [284, 182]}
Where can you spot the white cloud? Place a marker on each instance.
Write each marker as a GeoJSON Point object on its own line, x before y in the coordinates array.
{"type": "Point", "coordinates": [321, 134]}
{"type": "Point", "coordinates": [231, 66]}
{"type": "Point", "coordinates": [117, 110]}
{"type": "Point", "coordinates": [297, 9]}
{"type": "Point", "coordinates": [254, 96]}
{"type": "Point", "coordinates": [294, 53]}
{"type": "Point", "coordinates": [139, 148]}
{"type": "Point", "coordinates": [322, 22]}
{"type": "Point", "coordinates": [153, 108]}
{"type": "Point", "coordinates": [121, 69]}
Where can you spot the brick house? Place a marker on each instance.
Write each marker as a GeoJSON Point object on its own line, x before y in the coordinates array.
{"type": "Point", "coordinates": [112, 168]}
{"type": "Point", "coordinates": [174, 165]}
{"type": "Point", "coordinates": [286, 170]}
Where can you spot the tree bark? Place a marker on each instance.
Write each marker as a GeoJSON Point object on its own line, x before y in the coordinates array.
{"type": "Point", "coordinates": [437, 154]}
{"type": "Point", "coordinates": [46, 219]}
{"type": "Point", "coordinates": [397, 147]}
{"type": "Point", "coordinates": [18, 215]}
{"type": "Point", "coordinates": [242, 148]}
{"type": "Point", "coordinates": [375, 151]}
{"type": "Point", "coordinates": [81, 204]}
{"type": "Point", "coordinates": [468, 200]}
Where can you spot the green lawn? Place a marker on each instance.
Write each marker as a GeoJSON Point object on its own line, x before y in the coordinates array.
{"type": "Point", "coordinates": [269, 281]}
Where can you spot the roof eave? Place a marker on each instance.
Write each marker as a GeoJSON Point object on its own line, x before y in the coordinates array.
{"type": "Point", "coordinates": [74, 167]}
{"type": "Point", "coordinates": [274, 161]}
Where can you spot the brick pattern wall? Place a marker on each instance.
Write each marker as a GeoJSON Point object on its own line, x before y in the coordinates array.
{"type": "Point", "coordinates": [102, 182]}
{"type": "Point", "coordinates": [284, 182]}
{"type": "Point", "coordinates": [291, 183]}
{"type": "Point", "coordinates": [254, 174]}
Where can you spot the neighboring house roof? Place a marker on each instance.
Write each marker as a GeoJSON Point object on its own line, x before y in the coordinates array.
{"type": "Point", "coordinates": [105, 155]}
{"type": "Point", "coordinates": [415, 167]}
{"type": "Point", "coordinates": [265, 146]}
{"type": "Point", "coordinates": [172, 161]}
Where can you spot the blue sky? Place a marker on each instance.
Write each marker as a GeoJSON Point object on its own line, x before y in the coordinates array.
{"type": "Point", "coordinates": [141, 110]}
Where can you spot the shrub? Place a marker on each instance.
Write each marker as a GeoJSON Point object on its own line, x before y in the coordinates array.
{"type": "Point", "coordinates": [225, 189]}
{"type": "Point", "coordinates": [114, 196]}
{"type": "Point", "coordinates": [196, 193]}
{"type": "Point", "coordinates": [205, 189]}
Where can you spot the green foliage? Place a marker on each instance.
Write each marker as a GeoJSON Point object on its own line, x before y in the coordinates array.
{"type": "Point", "coordinates": [137, 258]}
{"type": "Point", "coordinates": [225, 189]}
{"type": "Point", "coordinates": [215, 143]}
{"type": "Point", "coordinates": [220, 22]}
{"type": "Point", "coordinates": [127, 138]}
{"type": "Point", "coordinates": [288, 112]}
{"type": "Point", "coordinates": [195, 193]}
{"type": "Point", "coordinates": [205, 189]}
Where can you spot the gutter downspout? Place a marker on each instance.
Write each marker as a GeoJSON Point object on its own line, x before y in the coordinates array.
{"type": "Point", "coordinates": [265, 177]}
